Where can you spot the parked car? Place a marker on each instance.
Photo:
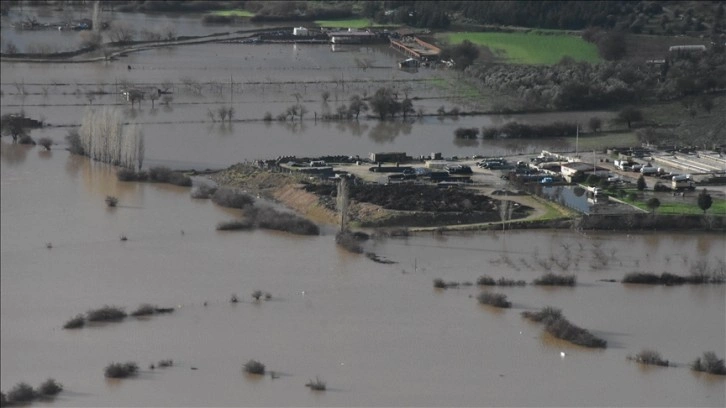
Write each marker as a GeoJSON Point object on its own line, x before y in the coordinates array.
{"type": "Point", "coordinates": [547, 180]}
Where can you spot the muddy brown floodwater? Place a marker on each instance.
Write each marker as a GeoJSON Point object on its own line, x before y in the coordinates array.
{"type": "Point", "coordinates": [379, 335]}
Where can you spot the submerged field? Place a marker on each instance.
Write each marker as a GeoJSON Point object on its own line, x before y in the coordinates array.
{"type": "Point", "coordinates": [530, 48]}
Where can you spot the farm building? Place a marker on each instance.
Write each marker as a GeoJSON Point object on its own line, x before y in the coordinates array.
{"type": "Point", "coordinates": [351, 37]}
{"type": "Point", "coordinates": [576, 169]}
{"type": "Point", "coordinates": [687, 48]}
{"type": "Point", "coordinates": [301, 31]}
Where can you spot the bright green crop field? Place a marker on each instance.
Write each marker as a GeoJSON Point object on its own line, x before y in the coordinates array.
{"type": "Point", "coordinates": [530, 48]}
{"type": "Point", "coordinates": [348, 23]}
{"type": "Point", "coordinates": [233, 13]}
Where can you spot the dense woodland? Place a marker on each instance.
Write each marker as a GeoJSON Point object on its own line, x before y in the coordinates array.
{"type": "Point", "coordinates": [570, 85]}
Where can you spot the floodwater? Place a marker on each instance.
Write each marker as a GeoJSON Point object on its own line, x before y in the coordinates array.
{"type": "Point", "coordinates": [265, 79]}
{"type": "Point", "coordinates": [378, 334]}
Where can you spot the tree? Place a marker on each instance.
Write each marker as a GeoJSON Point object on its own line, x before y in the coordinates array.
{"type": "Point", "coordinates": [641, 183]}
{"type": "Point", "coordinates": [383, 103]}
{"type": "Point", "coordinates": [595, 123]}
{"type": "Point", "coordinates": [121, 32]}
{"type": "Point", "coordinates": [629, 115]}
{"type": "Point", "coordinates": [406, 107]}
{"type": "Point", "coordinates": [612, 46]}
{"type": "Point", "coordinates": [462, 54]}
{"type": "Point", "coordinates": [14, 125]}
{"type": "Point", "coordinates": [653, 204]}
{"type": "Point", "coordinates": [704, 200]}
{"type": "Point", "coordinates": [357, 105]}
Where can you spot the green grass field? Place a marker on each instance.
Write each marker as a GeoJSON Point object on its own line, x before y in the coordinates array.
{"type": "Point", "coordinates": [233, 13]}
{"type": "Point", "coordinates": [669, 208]}
{"type": "Point", "coordinates": [531, 48]}
{"type": "Point", "coordinates": [348, 23]}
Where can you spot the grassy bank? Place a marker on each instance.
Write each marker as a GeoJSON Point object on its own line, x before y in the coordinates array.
{"type": "Point", "coordinates": [348, 23]}
{"type": "Point", "coordinates": [530, 48]}
{"type": "Point", "coordinates": [674, 208]}
{"type": "Point", "coordinates": [233, 13]}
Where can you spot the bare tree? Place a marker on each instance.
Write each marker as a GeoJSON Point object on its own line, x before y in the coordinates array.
{"type": "Point", "coordinates": [153, 96]}
{"type": "Point", "coordinates": [222, 112]}
{"type": "Point", "coordinates": [121, 32]}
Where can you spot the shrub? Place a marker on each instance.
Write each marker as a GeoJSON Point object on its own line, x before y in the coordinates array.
{"type": "Point", "coordinates": [226, 197]}
{"type": "Point", "coordinates": [111, 201]}
{"type": "Point", "coordinates": [106, 313]}
{"type": "Point", "coordinates": [546, 314]}
{"type": "Point", "coordinates": [348, 240]}
{"type": "Point", "coordinates": [179, 179]}
{"type": "Point", "coordinates": [26, 140]}
{"type": "Point", "coordinates": [563, 329]}
{"type": "Point", "coordinates": [254, 367]}
{"type": "Point", "coordinates": [552, 279]}
{"type": "Point", "coordinates": [234, 225]}
{"type": "Point", "coordinates": [641, 277]}
{"type": "Point", "coordinates": [486, 280]}
{"type": "Point", "coordinates": [162, 310]}
{"type": "Point", "coordinates": [494, 299]}
{"type": "Point", "coordinates": [317, 385]}
{"type": "Point", "coordinates": [650, 357]}
{"type": "Point", "coordinates": [510, 282]}
{"type": "Point", "coordinates": [270, 218]}
{"type": "Point", "coordinates": [233, 299]}
{"type": "Point", "coordinates": [50, 388]}
{"type": "Point", "coordinates": [203, 191]}
{"type": "Point", "coordinates": [46, 142]}
{"type": "Point", "coordinates": [267, 117]}
{"type": "Point", "coordinates": [144, 310]}
{"type": "Point", "coordinates": [709, 363]}
{"type": "Point", "coordinates": [121, 370]}
{"type": "Point", "coordinates": [125, 174]}
{"type": "Point", "coordinates": [439, 284]}
{"type": "Point", "coordinates": [166, 363]}
{"type": "Point", "coordinates": [257, 294]}
{"type": "Point", "coordinates": [75, 322]}
{"type": "Point", "coordinates": [22, 393]}
{"type": "Point", "coordinates": [160, 174]}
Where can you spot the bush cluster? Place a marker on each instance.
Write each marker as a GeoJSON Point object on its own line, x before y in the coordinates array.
{"type": "Point", "coordinates": [650, 357]}
{"type": "Point", "coordinates": [121, 370]}
{"type": "Point", "coordinates": [235, 225]}
{"type": "Point", "coordinates": [159, 174]}
{"type": "Point", "coordinates": [709, 363]}
{"type": "Point", "coordinates": [348, 241]}
{"type": "Point", "coordinates": [106, 314]}
{"type": "Point", "coordinates": [486, 280]}
{"type": "Point", "coordinates": [254, 367]}
{"type": "Point", "coordinates": [515, 130]}
{"type": "Point", "coordinates": [552, 279]}
{"type": "Point", "coordinates": [270, 218]}
{"type": "Point", "coordinates": [230, 198]}
{"type": "Point", "coordinates": [203, 191]}
{"type": "Point", "coordinates": [23, 394]}
{"type": "Point", "coordinates": [558, 326]}
{"type": "Point", "coordinates": [669, 279]}
{"type": "Point", "coordinates": [494, 299]}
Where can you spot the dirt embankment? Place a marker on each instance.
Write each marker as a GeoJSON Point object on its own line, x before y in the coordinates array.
{"type": "Point", "coordinates": [285, 188]}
